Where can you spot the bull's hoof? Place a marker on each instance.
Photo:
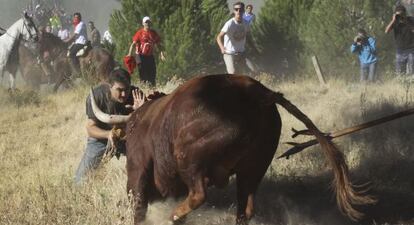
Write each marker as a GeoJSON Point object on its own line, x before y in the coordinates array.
{"type": "Point", "coordinates": [178, 220]}
{"type": "Point", "coordinates": [242, 221]}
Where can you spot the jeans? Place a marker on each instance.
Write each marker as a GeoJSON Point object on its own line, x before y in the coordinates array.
{"type": "Point", "coordinates": [404, 62]}
{"type": "Point", "coordinates": [74, 59]}
{"type": "Point", "coordinates": [368, 71]}
{"type": "Point", "coordinates": [235, 62]}
{"type": "Point", "coordinates": [91, 158]}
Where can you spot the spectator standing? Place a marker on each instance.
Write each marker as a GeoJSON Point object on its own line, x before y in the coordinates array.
{"type": "Point", "coordinates": [38, 15]}
{"type": "Point", "coordinates": [234, 33]}
{"type": "Point", "coordinates": [248, 15]}
{"type": "Point", "coordinates": [48, 29]}
{"type": "Point", "coordinates": [63, 33]}
{"type": "Point", "coordinates": [55, 22]}
{"type": "Point", "coordinates": [145, 40]}
{"type": "Point", "coordinates": [365, 47]}
{"type": "Point", "coordinates": [95, 35]}
{"type": "Point", "coordinates": [408, 4]}
{"type": "Point", "coordinates": [403, 27]}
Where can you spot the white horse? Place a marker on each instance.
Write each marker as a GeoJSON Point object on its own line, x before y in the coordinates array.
{"type": "Point", "coordinates": [23, 29]}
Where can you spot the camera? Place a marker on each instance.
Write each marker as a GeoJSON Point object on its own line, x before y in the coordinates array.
{"type": "Point", "coordinates": [399, 17]}
{"type": "Point", "coordinates": [358, 39]}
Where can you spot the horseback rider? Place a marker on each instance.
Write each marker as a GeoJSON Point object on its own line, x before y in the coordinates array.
{"type": "Point", "coordinates": [79, 39]}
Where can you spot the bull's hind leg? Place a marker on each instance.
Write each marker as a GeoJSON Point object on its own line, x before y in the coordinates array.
{"type": "Point", "coordinates": [248, 177]}
{"type": "Point", "coordinates": [196, 197]}
{"type": "Point", "coordinates": [246, 188]}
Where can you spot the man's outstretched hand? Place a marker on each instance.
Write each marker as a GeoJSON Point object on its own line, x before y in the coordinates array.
{"type": "Point", "coordinates": [139, 98]}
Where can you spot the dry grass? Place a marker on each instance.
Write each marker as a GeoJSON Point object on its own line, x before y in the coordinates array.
{"type": "Point", "coordinates": [41, 145]}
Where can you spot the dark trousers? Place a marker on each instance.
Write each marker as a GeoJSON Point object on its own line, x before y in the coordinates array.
{"type": "Point", "coordinates": [75, 61]}
{"type": "Point", "coordinates": [147, 69]}
{"type": "Point", "coordinates": [404, 62]}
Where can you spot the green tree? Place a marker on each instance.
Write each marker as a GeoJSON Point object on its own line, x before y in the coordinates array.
{"type": "Point", "coordinates": [188, 29]}
{"type": "Point", "coordinates": [185, 40]}
{"type": "Point", "coordinates": [287, 33]}
{"type": "Point", "coordinates": [332, 25]}
{"type": "Point", "coordinates": [276, 33]}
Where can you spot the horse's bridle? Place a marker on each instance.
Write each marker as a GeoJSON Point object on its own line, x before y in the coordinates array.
{"type": "Point", "coordinates": [28, 30]}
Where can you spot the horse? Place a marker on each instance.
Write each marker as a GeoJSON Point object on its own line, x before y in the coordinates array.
{"type": "Point", "coordinates": [23, 29]}
{"type": "Point", "coordinates": [24, 58]}
{"type": "Point", "coordinates": [96, 64]}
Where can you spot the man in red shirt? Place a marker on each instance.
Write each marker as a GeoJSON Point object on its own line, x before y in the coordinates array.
{"type": "Point", "coordinates": [145, 40]}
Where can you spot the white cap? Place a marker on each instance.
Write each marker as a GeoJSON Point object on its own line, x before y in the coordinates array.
{"type": "Point", "coordinates": [145, 19]}
{"type": "Point", "coordinates": [37, 6]}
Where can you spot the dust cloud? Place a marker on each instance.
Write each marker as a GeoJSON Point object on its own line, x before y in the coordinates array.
{"type": "Point", "coordinates": [98, 11]}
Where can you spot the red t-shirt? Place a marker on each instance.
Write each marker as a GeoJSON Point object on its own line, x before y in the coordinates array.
{"type": "Point", "coordinates": [145, 41]}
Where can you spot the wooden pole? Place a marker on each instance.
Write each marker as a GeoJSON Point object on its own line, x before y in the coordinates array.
{"type": "Point", "coordinates": [318, 70]}
{"type": "Point", "coordinates": [298, 147]}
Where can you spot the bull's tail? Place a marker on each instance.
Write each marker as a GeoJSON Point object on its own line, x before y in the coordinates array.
{"type": "Point", "coordinates": [346, 196]}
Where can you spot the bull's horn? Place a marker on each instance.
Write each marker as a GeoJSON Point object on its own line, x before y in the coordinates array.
{"type": "Point", "coordinates": [106, 118]}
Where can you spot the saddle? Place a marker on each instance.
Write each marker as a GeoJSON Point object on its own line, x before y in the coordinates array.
{"type": "Point", "coordinates": [83, 51]}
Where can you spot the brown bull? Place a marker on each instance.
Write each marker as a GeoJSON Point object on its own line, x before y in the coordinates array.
{"type": "Point", "coordinates": [207, 130]}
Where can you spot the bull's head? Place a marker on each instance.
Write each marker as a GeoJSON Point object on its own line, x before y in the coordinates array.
{"type": "Point", "coordinates": [117, 119]}
{"type": "Point", "coordinates": [104, 117]}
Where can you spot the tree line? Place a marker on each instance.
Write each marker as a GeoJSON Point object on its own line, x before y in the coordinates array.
{"type": "Point", "coordinates": [286, 34]}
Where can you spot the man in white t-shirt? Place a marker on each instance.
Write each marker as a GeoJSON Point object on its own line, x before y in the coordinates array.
{"type": "Point", "coordinates": [234, 33]}
{"type": "Point", "coordinates": [63, 32]}
{"type": "Point", "coordinates": [79, 39]}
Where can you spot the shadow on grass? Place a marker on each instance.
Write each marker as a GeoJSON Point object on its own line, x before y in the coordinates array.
{"type": "Point", "coordinates": [310, 201]}
{"type": "Point", "coordinates": [386, 159]}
